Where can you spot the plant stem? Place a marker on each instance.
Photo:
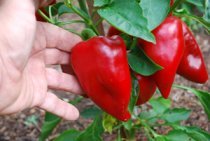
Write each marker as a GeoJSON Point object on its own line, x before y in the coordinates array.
{"type": "Point", "coordinates": [83, 6]}
{"type": "Point", "coordinates": [69, 22]}
{"type": "Point", "coordinates": [177, 3]}
{"type": "Point", "coordinates": [95, 17]}
{"type": "Point", "coordinates": [83, 15]}
{"type": "Point", "coordinates": [45, 17]}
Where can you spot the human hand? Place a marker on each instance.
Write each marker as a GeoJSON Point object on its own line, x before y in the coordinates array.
{"type": "Point", "coordinates": [27, 47]}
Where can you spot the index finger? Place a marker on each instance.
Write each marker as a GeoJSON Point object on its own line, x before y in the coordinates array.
{"type": "Point", "coordinates": [56, 37]}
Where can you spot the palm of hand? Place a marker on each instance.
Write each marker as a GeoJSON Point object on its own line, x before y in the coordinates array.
{"type": "Point", "coordinates": [25, 52]}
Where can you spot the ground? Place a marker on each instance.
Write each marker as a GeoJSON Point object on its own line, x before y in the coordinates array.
{"type": "Point", "coordinates": [18, 127]}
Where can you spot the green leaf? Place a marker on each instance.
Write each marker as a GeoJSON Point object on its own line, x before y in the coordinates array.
{"type": "Point", "coordinates": [195, 133]}
{"type": "Point", "coordinates": [128, 125]}
{"type": "Point", "coordinates": [69, 135]}
{"type": "Point", "coordinates": [207, 11]}
{"type": "Point", "coordinates": [63, 9]}
{"type": "Point", "coordinates": [91, 112]}
{"type": "Point", "coordinates": [141, 63]}
{"type": "Point", "coordinates": [176, 135]}
{"type": "Point", "coordinates": [99, 3]}
{"type": "Point", "coordinates": [202, 21]}
{"type": "Point", "coordinates": [203, 97]}
{"type": "Point", "coordinates": [160, 105]}
{"type": "Point", "coordinates": [50, 122]}
{"type": "Point", "coordinates": [199, 3]}
{"type": "Point", "coordinates": [127, 16]}
{"type": "Point", "coordinates": [155, 11]}
{"type": "Point", "coordinates": [93, 132]}
{"type": "Point", "coordinates": [176, 115]}
{"type": "Point", "coordinates": [148, 114]}
{"type": "Point", "coordinates": [134, 93]}
{"type": "Point", "coordinates": [109, 122]}
{"type": "Point", "coordinates": [160, 138]}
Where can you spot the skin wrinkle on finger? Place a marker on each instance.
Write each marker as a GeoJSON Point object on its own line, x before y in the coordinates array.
{"type": "Point", "coordinates": [61, 81]}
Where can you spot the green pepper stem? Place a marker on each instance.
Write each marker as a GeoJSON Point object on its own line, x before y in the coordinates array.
{"type": "Point", "coordinates": [45, 17]}
{"type": "Point", "coordinates": [83, 15]}
{"type": "Point", "coordinates": [177, 3]}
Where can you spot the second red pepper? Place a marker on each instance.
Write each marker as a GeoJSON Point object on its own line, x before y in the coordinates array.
{"type": "Point", "coordinates": [167, 52]}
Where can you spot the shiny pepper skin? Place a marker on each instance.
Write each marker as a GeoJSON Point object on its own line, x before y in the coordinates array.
{"type": "Point", "coordinates": [101, 66]}
{"type": "Point", "coordinates": [147, 88]}
{"type": "Point", "coordinates": [167, 52]}
{"type": "Point", "coordinates": [192, 65]}
{"type": "Point", "coordinates": [146, 84]}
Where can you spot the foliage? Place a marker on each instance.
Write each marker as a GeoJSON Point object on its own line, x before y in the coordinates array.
{"type": "Point", "coordinates": [136, 18]}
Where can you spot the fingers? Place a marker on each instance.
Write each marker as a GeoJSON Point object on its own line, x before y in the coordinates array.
{"type": "Point", "coordinates": [54, 105]}
{"type": "Point", "coordinates": [62, 81]}
{"type": "Point", "coordinates": [55, 37]}
{"type": "Point", "coordinates": [55, 56]}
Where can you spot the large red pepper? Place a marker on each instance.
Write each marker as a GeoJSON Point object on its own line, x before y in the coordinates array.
{"type": "Point", "coordinates": [101, 66]}
{"type": "Point", "coordinates": [192, 65]}
{"type": "Point", "coordinates": [147, 88]}
{"type": "Point", "coordinates": [167, 52]}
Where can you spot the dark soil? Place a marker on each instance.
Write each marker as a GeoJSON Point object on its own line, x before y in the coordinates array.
{"type": "Point", "coordinates": [19, 127]}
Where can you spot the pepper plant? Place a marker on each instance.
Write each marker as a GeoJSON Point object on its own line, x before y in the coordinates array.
{"type": "Point", "coordinates": [146, 44]}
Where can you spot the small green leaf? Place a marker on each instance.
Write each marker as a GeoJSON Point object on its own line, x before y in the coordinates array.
{"type": "Point", "coordinates": [50, 122]}
{"type": "Point", "coordinates": [68, 135]}
{"type": "Point", "coordinates": [141, 63]}
{"type": "Point", "coordinates": [160, 105]}
{"type": "Point", "coordinates": [91, 112]}
{"type": "Point", "coordinates": [199, 3]}
{"type": "Point", "coordinates": [127, 16]}
{"type": "Point", "coordinates": [93, 132]}
{"type": "Point", "coordinates": [195, 133]}
{"type": "Point", "coordinates": [128, 125]}
{"type": "Point", "coordinates": [176, 115]}
{"type": "Point", "coordinates": [203, 97]}
{"type": "Point", "coordinates": [63, 9]}
{"type": "Point", "coordinates": [176, 135]}
{"type": "Point", "coordinates": [109, 122]}
{"type": "Point", "coordinates": [207, 11]}
{"type": "Point", "coordinates": [155, 11]}
{"type": "Point", "coordinates": [99, 3]}
{"type": "Point", "coordinates": [134, 93]}
{"type": "Point", "coordinates": [160, 138]}
{"type": "Point", "coordinates": [147, 114]}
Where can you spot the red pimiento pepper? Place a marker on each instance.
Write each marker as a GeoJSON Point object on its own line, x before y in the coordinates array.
{"type": "Point", "coordinates": [167, 52]}
{"type": "Point", "coordinates": [147, 88]}
{"type": "Point", "coordinates": [192, 65]}
{"type": "Point", "coordinates": [101, 66]}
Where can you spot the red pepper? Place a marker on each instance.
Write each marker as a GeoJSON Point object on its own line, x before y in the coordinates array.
{"type": "Point", "coordinates": [192, 65]}
{"type": "Point", "coordinates": [101, 66]}
{"type": "Point", "coordinates": [147, 89]}
{"type": "Point", "coordinates": [167, 52]}
{"type": "Point", "coordinates": [146, 84]}
{"type": "Point", "coordinates": [113, 31]}
{"type": "Point", "coordinates": [171, 2]}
